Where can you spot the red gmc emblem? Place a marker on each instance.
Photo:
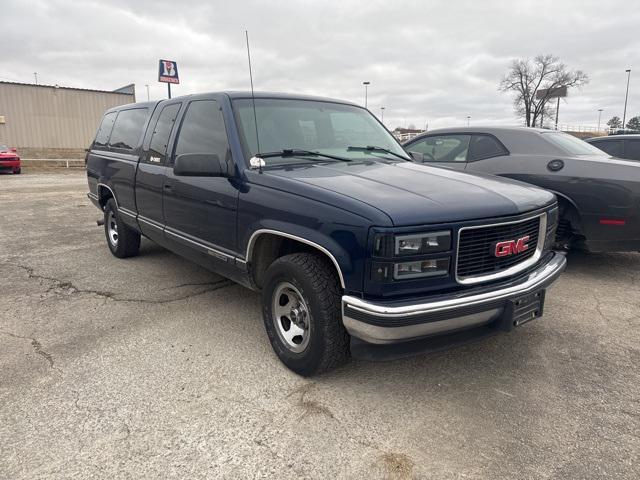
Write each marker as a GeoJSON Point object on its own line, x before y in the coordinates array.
{"type": "Point", "coordinates": [511, 247]}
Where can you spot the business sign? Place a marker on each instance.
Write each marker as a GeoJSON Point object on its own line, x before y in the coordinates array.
{"type": "Point", "coordinates": [551, 92]}
{"type": "Point", "coordinates": [168, 72]}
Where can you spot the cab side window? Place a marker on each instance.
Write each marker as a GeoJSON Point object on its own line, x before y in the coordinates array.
{"type": "Point", "coordinates": [161, 133]}
{"type": "Point", "coordinates": [486, 146]}
{"type": "Point", "coordinates": [612, 147]}
{"type": "Point", "coordinates": [127, 131]}
{"type": "Point", "coordinates": [203, 131]}
{"type": "Point", "coordinates": [632, 149]}
{"type": "Point", "coordinates": [443, 148]}
{"type": "Point", "coordinates": [104, 131]}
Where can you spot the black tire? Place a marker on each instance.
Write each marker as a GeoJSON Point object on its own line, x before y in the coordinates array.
{"type": "Point", "coordinates": [127, 241]}
{"type": "Point", "coordinates": [18, 171]}
{"type": "Point", "coordinates": [568, 236]}
{"type": "Point", "coordinates": [315, 280]}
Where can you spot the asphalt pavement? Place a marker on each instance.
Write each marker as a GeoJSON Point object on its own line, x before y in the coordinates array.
{"type": "Point", "coordinates": [152, 367]}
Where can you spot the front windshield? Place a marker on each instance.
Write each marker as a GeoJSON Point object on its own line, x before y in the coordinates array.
{"type": "Point", "coordinates": [3, 148]}
{"type": "Point", "coordinates": [571, 144]}
{"type": "Point", "coordinates": [324, 127]}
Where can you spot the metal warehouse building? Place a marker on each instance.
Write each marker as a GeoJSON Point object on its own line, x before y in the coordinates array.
{"type": "Point", "coordinates": [45, 121]}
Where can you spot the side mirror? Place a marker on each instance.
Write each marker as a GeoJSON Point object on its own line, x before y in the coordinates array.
{"type": "Point", "coordinates": [14, 150]}
{"type": "Point", "coordinates": [198, 165]}
{"type": "Point", "coordinates": [417, 156]}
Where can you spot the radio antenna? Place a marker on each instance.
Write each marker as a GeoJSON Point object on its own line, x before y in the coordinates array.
{"type": "Point", "coordinates": [256, 161]}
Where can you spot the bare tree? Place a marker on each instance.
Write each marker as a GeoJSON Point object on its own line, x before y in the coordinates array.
{"type": "Point", "coordinates": [527, 76]}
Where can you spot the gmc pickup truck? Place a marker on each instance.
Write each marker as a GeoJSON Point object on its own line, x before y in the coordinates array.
{"type": "Point", "coordinates": [356, 249]}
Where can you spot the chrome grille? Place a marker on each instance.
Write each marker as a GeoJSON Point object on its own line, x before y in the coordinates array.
{"type": "Point", "coordinates": [476, 261]}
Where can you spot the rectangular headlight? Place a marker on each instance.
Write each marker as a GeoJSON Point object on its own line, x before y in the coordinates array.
{"type": "Point", "coordinates": [421, 268]}
{"type": "Point", "coordinates": [422, 243]}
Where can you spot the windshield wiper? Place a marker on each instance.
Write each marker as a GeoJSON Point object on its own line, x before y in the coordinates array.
{"type": "Point", "coordinates": [373, 148]}
{"type": "Point", "coordinates": [294, 152]}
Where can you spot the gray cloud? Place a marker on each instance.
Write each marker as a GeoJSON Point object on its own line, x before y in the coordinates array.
{"type": "Point", "coordinates": [434, 62]}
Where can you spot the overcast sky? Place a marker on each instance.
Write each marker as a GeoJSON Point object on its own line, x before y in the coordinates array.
{"type": "Point", "coordinates": [432, 62]}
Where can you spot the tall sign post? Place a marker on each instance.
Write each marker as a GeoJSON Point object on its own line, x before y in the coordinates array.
{"type": "Point", "coordinates": [547, 93]}
{"type": "Point", "coordinates": [168, 73]}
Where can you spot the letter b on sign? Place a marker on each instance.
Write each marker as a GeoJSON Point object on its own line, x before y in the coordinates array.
{"type": "Point", "coordinates": [168, 72]}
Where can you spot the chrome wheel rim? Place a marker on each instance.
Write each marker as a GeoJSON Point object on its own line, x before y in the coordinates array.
{"type": "Point", "coordinates": [112, 228]}
{"type": "Point", "coordinates": [291, 317]}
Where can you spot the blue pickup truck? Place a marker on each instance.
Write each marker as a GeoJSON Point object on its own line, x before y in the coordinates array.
{"type": "Point", "coordinates": [357, 250]}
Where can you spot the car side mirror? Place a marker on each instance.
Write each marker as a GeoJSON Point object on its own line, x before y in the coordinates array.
{"type": "Point", "coordinates": [198, 165]}
{"type": "Point", "coordinates": [14, 150]}
{"type": "Point", "coordinates": [417, 156]}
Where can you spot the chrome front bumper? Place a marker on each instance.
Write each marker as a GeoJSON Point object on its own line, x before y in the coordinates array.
{"type": "Point", "coordinates": [393, 322]}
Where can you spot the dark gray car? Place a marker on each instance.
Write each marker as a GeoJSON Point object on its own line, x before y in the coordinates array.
{"type": "Point", "coordinates": [599, 195]}
{"type": "Point", "coordinates": [620, 146]}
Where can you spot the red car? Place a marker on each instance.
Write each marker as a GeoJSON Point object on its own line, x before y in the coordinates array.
{"type": "Point", "coordinates": [9, 159]}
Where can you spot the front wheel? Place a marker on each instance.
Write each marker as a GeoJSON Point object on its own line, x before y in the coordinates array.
{"type": "Point", "coordinates": [302, 314]}
{"type": "Point", "coordinates": [122, 240]}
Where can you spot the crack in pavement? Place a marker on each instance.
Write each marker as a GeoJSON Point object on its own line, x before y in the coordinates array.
{"type": "Point", "coordinates": [37, 347]}
{"type": "Point", "coordinates": [66, 285]}
{"type": "Point", "coordinates": [309, 406]}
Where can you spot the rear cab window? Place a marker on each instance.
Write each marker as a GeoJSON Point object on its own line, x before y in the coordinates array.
{"type": "Point", "coordinates": [128, 129]}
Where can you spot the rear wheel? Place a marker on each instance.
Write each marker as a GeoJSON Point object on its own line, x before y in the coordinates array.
{"type": "Point", "coordinates": [302, 316]}
{"type": "Point", "coordinates": [17, 171]}
{"type": "Point", "coordinates": [122, 240]}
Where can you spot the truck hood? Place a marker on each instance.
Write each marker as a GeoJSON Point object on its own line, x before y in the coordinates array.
{"type": "Point", "coordinates": [414, 194]}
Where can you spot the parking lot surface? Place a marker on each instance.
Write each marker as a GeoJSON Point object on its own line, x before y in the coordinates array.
{"type": "Point", "coordinates": [152, 367]}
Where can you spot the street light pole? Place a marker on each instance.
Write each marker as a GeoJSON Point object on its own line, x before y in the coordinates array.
{"type": "Point", "coordinates": [366, 86]}
{"type": "Point", "coordinates": [624, 115]}
{"type": "Point", "coordinates": [468, 118]}
{"type": "Point", "coordinates": [147, 85]}
{"type": "Point", "coordinates": [35, 74]}
{"type": "Point", "coordinates": [382, 116]}
{"type": "Point", "coordinates": [599, 117]}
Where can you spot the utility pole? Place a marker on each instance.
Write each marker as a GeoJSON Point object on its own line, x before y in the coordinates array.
{"type": "Point", "coordinates": [366, 86]}
{"type": "Point", "coordinates": [147, 85]}
{"type": "Point", "coordinates": [35, 74]}
{"type": "Point", "coordinates": [599, 117]}
{"type": "Point", "coordinates": [382, 115]}
{"type": "Point", "coordinates": [468, 119]}
{"type": "Point", "coordinates": [624, 115]}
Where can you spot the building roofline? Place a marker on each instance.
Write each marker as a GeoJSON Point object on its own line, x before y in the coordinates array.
{"type": "Point", "coordinates": [64, 88]}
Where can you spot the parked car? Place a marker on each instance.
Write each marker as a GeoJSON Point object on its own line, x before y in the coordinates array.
{"type": "Point", "coordinates": [620, 146]}
{"type": "Point", "coordinates": [352, 244]}
{"type": "Point", "coordinates": [9, 160]}
{"type": "Point", "coordinates": [599, 196]}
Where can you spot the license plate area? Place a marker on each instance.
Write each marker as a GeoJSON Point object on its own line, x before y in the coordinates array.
{"type": "Point", "coordinates": [527, 307]}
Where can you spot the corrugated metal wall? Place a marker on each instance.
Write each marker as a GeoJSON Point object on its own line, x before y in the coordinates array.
{"type": "Point", "coordinates": [44, 117]}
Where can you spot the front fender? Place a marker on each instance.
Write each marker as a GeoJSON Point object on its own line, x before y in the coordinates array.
{"type": "Point", "coordinates": [336, 246]}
